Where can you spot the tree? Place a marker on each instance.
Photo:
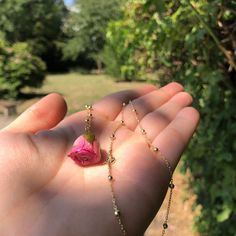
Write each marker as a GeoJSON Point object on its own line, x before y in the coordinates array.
{"type": "Point", "coordinates": [37, 23]}
{"type": "Point", "coordinates": [86, 27]}
{"type": "Point", "coordinates": [192, 42]}
{"type": "Point", "coordinates": [19, 68]}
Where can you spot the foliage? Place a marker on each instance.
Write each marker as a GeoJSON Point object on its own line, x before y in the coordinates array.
{"type": "Point", "coordinates": [18, 68]}
{"type": "Point", "coordinates": [39, 23]}
{"type": "Point", "coordinates": [85, 27]}
{"type": "Point", "coordinates": [194, 43]}
{"type": "Point", "coordinates": [133, 40]}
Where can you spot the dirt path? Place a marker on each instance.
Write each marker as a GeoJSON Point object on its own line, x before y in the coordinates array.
{"type": "Point", "coordinates": [181, 217]}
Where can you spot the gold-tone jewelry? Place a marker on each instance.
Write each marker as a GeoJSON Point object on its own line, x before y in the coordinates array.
{"type": "Point", "coordinates": [168, 166]}
{"type": "Point", "coordinates": [88, 118]}
{"type": "Point", "coordinates": [110, 161]}
{"type": "Point", "coordinates": [88, 122]}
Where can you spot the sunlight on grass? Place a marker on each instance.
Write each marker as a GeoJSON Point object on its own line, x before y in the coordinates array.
{"type": "Point", "coordinates": [78, 89]}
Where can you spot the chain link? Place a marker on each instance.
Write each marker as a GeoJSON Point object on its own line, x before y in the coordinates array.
{"type": "Point", "coordinates": [88, 119]}
{"type": "Point", "coordinates": [167, 164]}
{"type": "Point", "coordinates": [110, 161]}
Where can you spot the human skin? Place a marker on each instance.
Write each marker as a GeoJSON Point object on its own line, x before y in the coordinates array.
{"type": "Point", "coordinates": [43, 192]}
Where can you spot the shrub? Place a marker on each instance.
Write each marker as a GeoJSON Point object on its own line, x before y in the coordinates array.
{"type": "Point", "coordinates": [18, 69]}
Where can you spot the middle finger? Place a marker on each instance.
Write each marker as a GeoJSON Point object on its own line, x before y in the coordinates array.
{"type": "Point", "coordinates": [149, 102]}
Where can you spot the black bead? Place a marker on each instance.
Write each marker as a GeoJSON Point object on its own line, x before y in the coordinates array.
{"type": "Point", "coordinates": [171, 185]}
{"type": "Point", "coordinates": [165, 225]}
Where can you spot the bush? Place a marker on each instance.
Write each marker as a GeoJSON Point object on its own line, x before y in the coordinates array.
{"type": "Point", "coordinates": [38, 23]}
{"type": "Point", "coordinates": [193, 43]}
{"type": "Point", "coordinates": [18, 69]}
{"type": "Point", "coordinates": [132, 43]}
{"type": "Point", "coordinates": [115, 54]}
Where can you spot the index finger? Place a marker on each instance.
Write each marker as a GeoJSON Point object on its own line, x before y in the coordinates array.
{"type": "Point", "coordinates": [111, 105]}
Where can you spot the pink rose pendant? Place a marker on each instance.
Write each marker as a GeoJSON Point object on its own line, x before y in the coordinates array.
{"type": "Point", "coordinates": [85, 150]}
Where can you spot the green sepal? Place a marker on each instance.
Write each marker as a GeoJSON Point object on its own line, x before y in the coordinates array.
{"type": "Point", "coordinates": [90, 137]}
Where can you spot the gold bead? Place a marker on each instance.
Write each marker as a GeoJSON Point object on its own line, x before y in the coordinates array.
{"type": "Point", "coordinates": [88, 107]}
{"type": "Point", "coordinates": [113, 136]}
{"type": "Point", "coordinates": [110, 177]}
{"type": "Point", "coordinates": [155, 149]}
{"type": "Point", "coordinates": [134, 110]}
{"type": "Point", "coordinates": [86, 120]}
{"type": "Point", "coordinates": [123, 104]}
{"type": "Point", "coordinates": [143, 131]}
{"type": "Point", "coordinates": [117, 213]}
{"type": "Point", "coordinates": [112, 160]}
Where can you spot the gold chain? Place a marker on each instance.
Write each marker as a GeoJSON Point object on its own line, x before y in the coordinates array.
{"type": "Point", "coordinates": [88, 119]}
{"type": "Point", "coordinates": [110, 160]}
{"type": "Point", "coordinates": [168, 166]}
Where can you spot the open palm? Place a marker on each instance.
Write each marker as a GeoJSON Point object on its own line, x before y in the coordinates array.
{"type": "Point", "coordinates": [45, 193]}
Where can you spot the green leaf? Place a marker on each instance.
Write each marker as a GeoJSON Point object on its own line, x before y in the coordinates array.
{"type": "Point", "coordinates": [90, 137]}
{"type": "Point", "coordinates": [224, 215]}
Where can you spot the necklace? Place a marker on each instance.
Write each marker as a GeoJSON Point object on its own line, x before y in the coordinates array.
{"type": "Point", "coordinates": [110, 161]}
{"type": "Point", "coordinates": [86, 152]}
{"type": "Point", "coordinates": [167, 164]}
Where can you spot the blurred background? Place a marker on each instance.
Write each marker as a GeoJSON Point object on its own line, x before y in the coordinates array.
{"type": "Point", "coordinates": [85, 49]}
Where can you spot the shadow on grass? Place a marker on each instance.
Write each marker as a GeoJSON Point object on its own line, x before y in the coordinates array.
{"type": "Point", "coordinates": [23, 96]}
{"type": "Point", "coordinates": [130, 81]}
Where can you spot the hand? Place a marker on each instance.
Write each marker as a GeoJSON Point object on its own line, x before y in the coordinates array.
{"type": "Point", "coordinates": [43, 192]}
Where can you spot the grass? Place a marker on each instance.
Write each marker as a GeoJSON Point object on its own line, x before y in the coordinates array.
{"type": "Point", "coordinates": [77, 89]}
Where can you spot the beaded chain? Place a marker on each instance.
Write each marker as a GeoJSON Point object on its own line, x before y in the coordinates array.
{"type": "Point", "coordinates": [168, 166]}
{"type": "Point", "coordinates": [88, 119]}
{"type": "Point", "coordinates": [110, 160]}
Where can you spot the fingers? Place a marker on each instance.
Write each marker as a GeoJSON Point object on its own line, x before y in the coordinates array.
{"type": "Point", "coordinates": [157, 120]}
{"type": "Point", "coordinates": [111, 105]}
{"type": "Point", "coordinates": [45, 114]}
{"type": "Point", "coordinates": [149, 102]}
{"type": "Point", "coordinates": [174, 138]}
{"type": "Point", "coordinates": [64, 134]}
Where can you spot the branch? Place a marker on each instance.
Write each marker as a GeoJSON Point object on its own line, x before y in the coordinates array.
{"type": "Point", "coordinates": [227, 53]}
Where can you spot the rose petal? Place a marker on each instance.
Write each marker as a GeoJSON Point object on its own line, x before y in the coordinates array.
{"type": "Point", "coordinates": [85, 153]}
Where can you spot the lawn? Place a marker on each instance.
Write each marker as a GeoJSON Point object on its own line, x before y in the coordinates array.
{"type": "Point", "coordinates": [77, 89]}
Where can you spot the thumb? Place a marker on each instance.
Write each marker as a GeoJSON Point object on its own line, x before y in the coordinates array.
{"type": "Point", "coordinates": [44, 114]}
